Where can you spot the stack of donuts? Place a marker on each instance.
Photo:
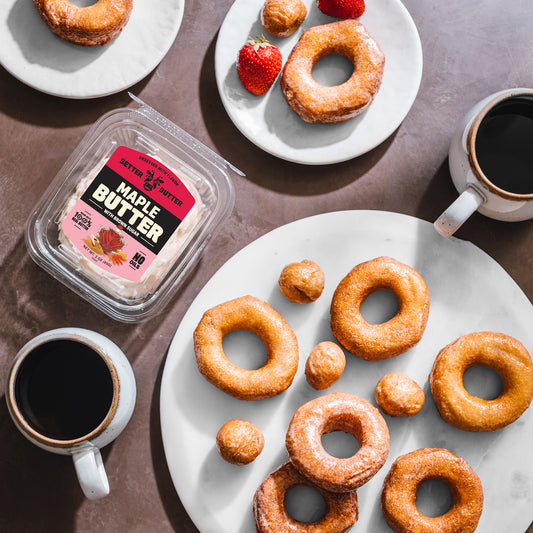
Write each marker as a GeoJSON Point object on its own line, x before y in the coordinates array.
{"type": "Point", "coordinates": [396, 395]}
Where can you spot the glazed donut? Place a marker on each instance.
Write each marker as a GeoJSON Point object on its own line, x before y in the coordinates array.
{"type": "Point", "coordinates": [506, 356]}
{"type": "Point", "coordinates": [325, 365]}
{"type": "Point", "coordinates": [271, 515]}
{"type": "Point", "coordinates": [322, 103]}
{"type": "Point", "coordinates": [380, 341]}
{"type": "Point", "coordinates": [254, 315]}
{"type": "Point", "coordinates": [239, 442]}
{"type": "Point", "coordinates": [87, 26]}
{"type": "Point", "coordinates": [332, 412]}
{"type": "Point", "coordinates": [409, 471]}
{"type": "Point", "coordinates": [282, 17]}
{"type": "Point", "coordinates": [302, 282]}
{"type": "Point", "coordinates": [398, 395]}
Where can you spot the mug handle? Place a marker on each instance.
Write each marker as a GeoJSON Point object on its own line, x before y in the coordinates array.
{"type": "Point", "coordinates": [91, 472]}
{"type": "Point", "coordinates": [458, 213]}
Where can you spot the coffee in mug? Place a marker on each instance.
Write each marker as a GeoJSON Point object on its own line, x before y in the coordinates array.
{"type": "Point", "coordinates": [491, 161]}
{"type": "Point", "coordinates": [72, 391]}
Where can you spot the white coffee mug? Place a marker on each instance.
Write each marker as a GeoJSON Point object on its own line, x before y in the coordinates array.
{"type": "Point", "coordinates": [477, 188]}
{"type": "Point", "coordinates": [71, 391]}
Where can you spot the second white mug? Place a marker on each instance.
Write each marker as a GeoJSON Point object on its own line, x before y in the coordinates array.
{"type": "Point", "coordinates": [491, 161]}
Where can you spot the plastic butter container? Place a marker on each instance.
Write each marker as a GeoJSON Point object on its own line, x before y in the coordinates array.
{"type": "Point", "coordinates": [130, 212]}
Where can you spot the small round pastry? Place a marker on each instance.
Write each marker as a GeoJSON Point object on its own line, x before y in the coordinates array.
{"type": "Point", "coordinates": [96, 24]}
{"type": "Point", "coordinates": [254, 315]}
{"type": "Point", "coordinates": [302, 282]}
{"type": "Point", "coordinates": [506, 356]}
{"type": "Point", "coordinates": [239, 442]}
{"type": "Point", "coordinates": [337, 411]}
{"type": "Point", "coordinates": [324, 365]}
{"type": "Point", "coordinates": [409, 471]}
{"type": "Point", "coordinates": [282, 17]}
{"type": "Point", "coordinates": [322, 103]}
{"type": "Point", "coordinates": [380, 341]}
{"type": "Point", "coordinates": [271, 515]}
{"type": "Point", "coordinates": [398, 395]}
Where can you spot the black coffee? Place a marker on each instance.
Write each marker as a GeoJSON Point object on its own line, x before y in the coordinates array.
{"type": "Point", "coordinates": [64, 389]}
{"type": "Point", "coordinates": [504, 145]}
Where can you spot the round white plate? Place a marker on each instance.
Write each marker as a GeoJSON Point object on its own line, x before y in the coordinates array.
{"type": "Point", "coordinates": [469, 292]}
{"type": "Point", "coordinates": [34, 55]}
{"type": "Point", "coordinates": [271, 124]}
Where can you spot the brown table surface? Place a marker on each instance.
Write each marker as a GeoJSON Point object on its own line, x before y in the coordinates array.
{"type": "Point", "coordinates": [471, 49]}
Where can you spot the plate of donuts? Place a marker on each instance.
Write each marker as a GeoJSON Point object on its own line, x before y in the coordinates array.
{"type": "Point", "coordinates": [35, 56]}
{"type": "Point", "coordinates": [468, 292]}
{"type": "Point", "coordinates": [273, 126]}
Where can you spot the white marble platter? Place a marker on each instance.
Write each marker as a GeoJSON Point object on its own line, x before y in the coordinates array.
{"type": "Point", "coordinates": [469, 292]}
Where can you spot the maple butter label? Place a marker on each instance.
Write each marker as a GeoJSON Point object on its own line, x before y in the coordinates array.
{"type": "Point", "coordinates": [127, 213]}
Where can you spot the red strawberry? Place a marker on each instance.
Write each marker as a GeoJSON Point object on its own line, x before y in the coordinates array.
{"type": "Point", "coordinates": [344, 9]}
{"type": "Point", "coordinates": [258, 65]}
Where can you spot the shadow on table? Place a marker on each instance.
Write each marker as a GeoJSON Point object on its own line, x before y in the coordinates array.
{"type": "Point", "coordinates": [30, 106]}
{"type": "Point", "coordinates": [39, 490]}
{"type": "Point", "coordinates": [34, 302]}
{"type": "Point", "coordinates": [283, 175]}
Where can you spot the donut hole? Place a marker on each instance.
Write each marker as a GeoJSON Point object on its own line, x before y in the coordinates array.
{"type": "Point", "coordinates": [340, 444]}
{"type": "Point", "coordinates": [483, 382]}
{"type": "Point", "coordinates": [244, 349]}
{"type": "Point", "coordinates": [379, 306]}
{"type": "Point", "coordinates": [333, 69]}
{"type": "Point", "coordinates": [305, 504]}
{"type": "Point", "coordinates": [433, 498]}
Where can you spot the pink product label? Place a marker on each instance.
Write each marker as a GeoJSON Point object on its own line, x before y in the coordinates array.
{"type": "Point", "coordinates": [127, 213]}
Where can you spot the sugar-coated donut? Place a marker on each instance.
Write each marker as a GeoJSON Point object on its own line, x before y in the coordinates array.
{"type": "Point", "coordinates": [254, 315]}
{"type": "Point", "coordinates": [506, 356]}
{"type": "Point", "coordinates": [282, 17]}
{"type": "Point", "coordinates": [398, 395]}
{"type": "Point", "coordinates": [301, 282]}
{"type": "Point", "coordinates": [325, 365]}
{"type": "Point", "coordinates": [409, 471]}
{"type": "Point", "coordinates": [332, 412]}
{"type": "Point", "coordinates": [401, 332]}
{"type": "Point", "coordinates": [96, 24]}
{"type": "Point", "coordinates": [239, 441]}
{"type": "Point", "coordinates": [322, 103]}
{"type": "Point", "coordinates": [271, 515]}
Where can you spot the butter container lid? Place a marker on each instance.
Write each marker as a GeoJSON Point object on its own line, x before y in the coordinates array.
{"type": "Point", "coordinates": [130, 212]}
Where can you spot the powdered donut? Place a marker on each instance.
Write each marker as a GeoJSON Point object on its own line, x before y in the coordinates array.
{"type": "Point", "coordinates": [408, 472]}
{"type": "Point", "coordinates": [322, 103]}
{"type": "Point", "coordinates": [254, 315]}
{"type": "Point", "coordinates": [401, 332]}
{"type": "Point", "coordinates": [332, 412]}
{"type": "Point", "coordinates": [506, 356]}
{"type": "Point", "coordinates": [271, 515]}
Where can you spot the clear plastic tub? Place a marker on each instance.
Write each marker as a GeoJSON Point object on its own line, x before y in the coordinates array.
{"type": "Point", "coordinates": [129, 212]}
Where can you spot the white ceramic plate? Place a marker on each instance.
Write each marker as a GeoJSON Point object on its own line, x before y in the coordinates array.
{"type": "Point", "coordinates": [34, 55]}
{"type": "Point", "coordinates": [270, 123]}
{"type": "Point", "coordinates": [469, 292]}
